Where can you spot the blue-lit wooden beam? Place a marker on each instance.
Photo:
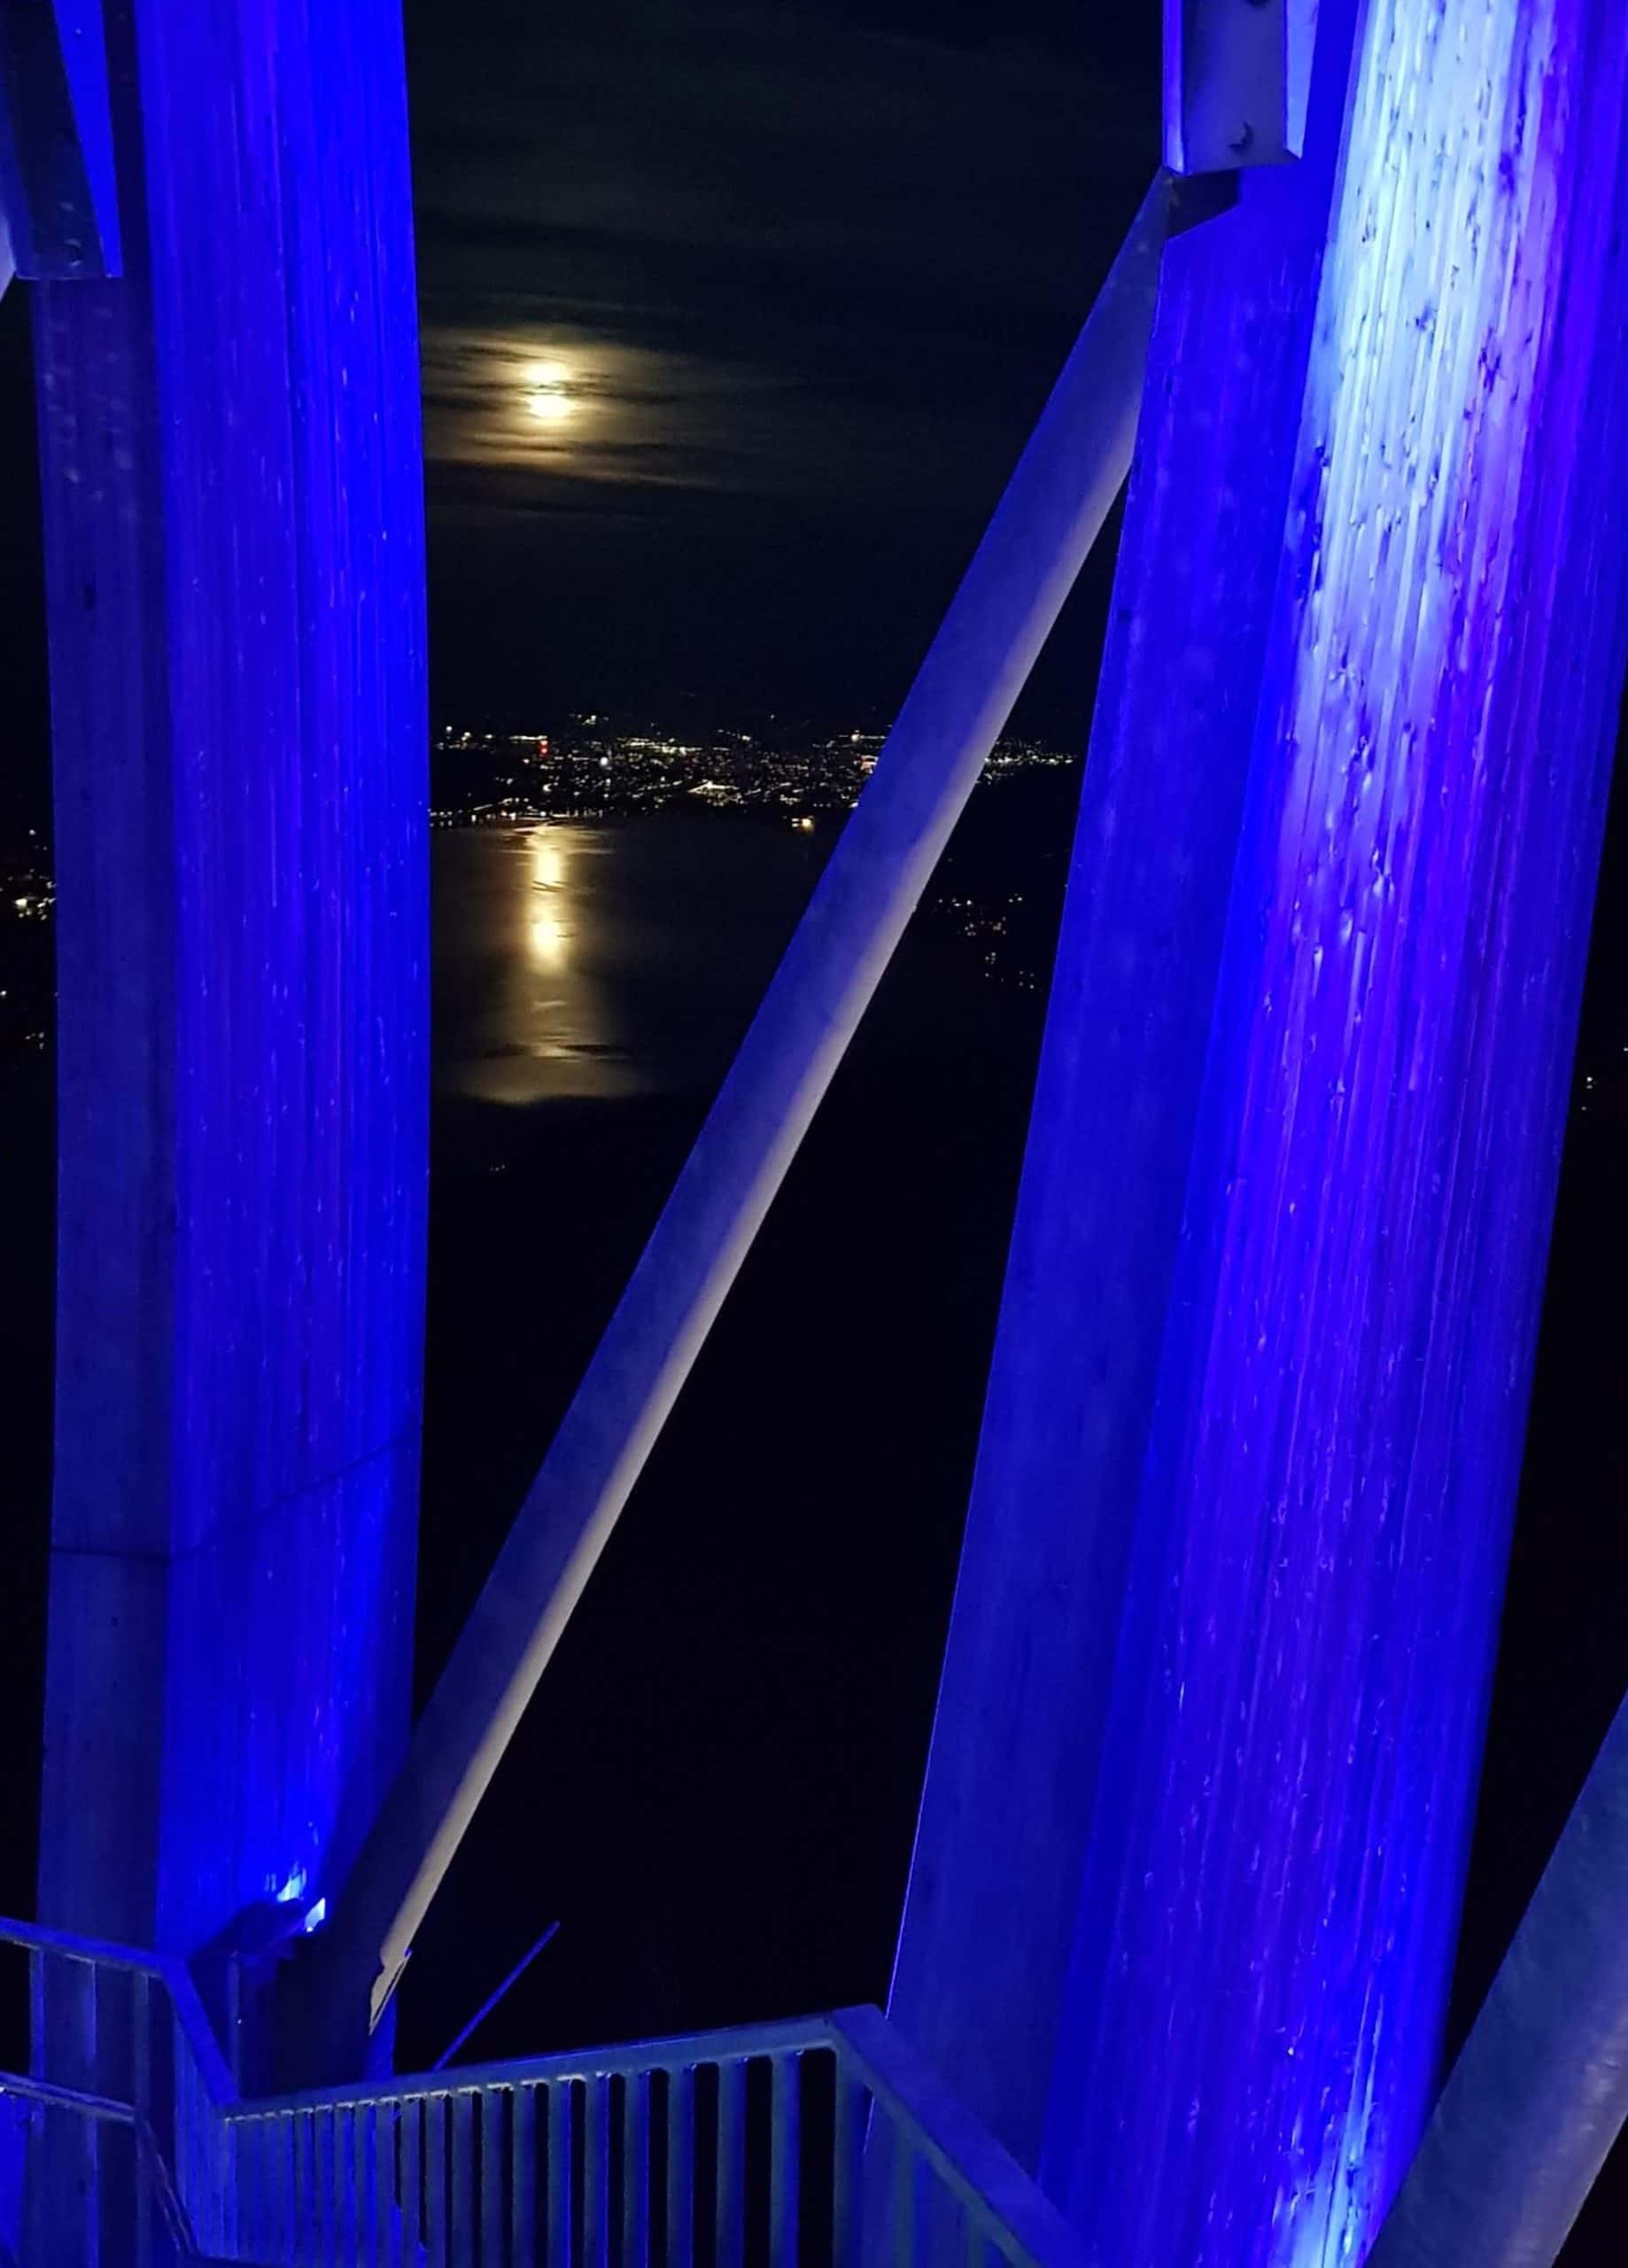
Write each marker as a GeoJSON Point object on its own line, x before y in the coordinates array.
{"type": "Point", "coordinates": [990, 1913]}
{"type": "Point", "coordinates": [58, 204]}
{"type": "Point", "coordinates": [1539, 2093]}
{"type": "Point", "coordinates": [1249, 2043]}
{"type": "Point", "coordinates": [233, 514]}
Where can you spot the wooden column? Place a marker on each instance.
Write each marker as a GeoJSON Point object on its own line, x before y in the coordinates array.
{"type": "Point", "coordinates": [233, 527]}
{"type": "Point", "coordinates": [1005, 1818]}
{"type": "Point", "coordinates": [1204, 1767]}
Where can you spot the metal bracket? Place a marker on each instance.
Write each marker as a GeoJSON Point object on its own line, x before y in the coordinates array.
{"type": "Point", "coordinates": [1237, 80]}
{"type": "Point", "coordinates": [59, 203]}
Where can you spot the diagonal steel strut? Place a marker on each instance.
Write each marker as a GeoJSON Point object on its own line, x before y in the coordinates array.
{"type": "Point", "coordinates": [1539, 2093]}
{"type": "Point", "coordinates": [1060, 496]}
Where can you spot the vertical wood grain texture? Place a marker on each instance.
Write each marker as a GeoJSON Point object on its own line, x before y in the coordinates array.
{"type": "Point", "coordinates": [1251, 2037]}
{"type": "Point", "coordinates": [233, 527]}
{"type": "Point", "coordinates": [1006, 1814]}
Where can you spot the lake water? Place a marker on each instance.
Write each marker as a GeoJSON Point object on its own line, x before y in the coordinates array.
{"type": "Point", "coordinates": [580, 961]}
{"type": "Point", "coordinates": [587, 961]}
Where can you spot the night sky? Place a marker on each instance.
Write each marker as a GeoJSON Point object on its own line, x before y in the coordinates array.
{"type": "Point", "coordinates": [811, 268]}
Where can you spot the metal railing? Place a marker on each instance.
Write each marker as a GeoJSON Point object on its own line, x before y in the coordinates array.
{"type": "Point", "coordinates": [73, 2120]}
{"type": "Point", "coordinates": [770, 2145]}
{"type": "Point", "coordinates": [119, 2108]}
{"type": "Point", "coordinates": [820, 2140]}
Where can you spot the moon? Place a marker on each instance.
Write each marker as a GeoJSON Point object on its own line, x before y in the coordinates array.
{"type": "Point", "coordinates": [547, 399]}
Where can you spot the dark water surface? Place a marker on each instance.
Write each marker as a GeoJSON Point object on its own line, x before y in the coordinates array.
{"type": "Point", "coordinates": [713, 1791]}
{"type": "Point", "coordinates": [595, 961]}
{"type": "Point", "coordinates": [592, 962]}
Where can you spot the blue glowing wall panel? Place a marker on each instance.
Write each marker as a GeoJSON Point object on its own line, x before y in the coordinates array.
{"type": "Point", "coordinates": [995, 1885]}
{"type": "Point", "coordinates": [233, 497]}
{"type": "Point", "coordinates": [1249, 2039]}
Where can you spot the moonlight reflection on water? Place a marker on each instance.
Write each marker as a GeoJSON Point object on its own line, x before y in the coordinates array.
{"type": "Point", "coordinates": [589, 959]}
{"type": "Point", "coordinates": [600, 959]}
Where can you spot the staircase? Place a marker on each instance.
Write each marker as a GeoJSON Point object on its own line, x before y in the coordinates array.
{"type": "Point", "coordinates": [822, 2140]}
